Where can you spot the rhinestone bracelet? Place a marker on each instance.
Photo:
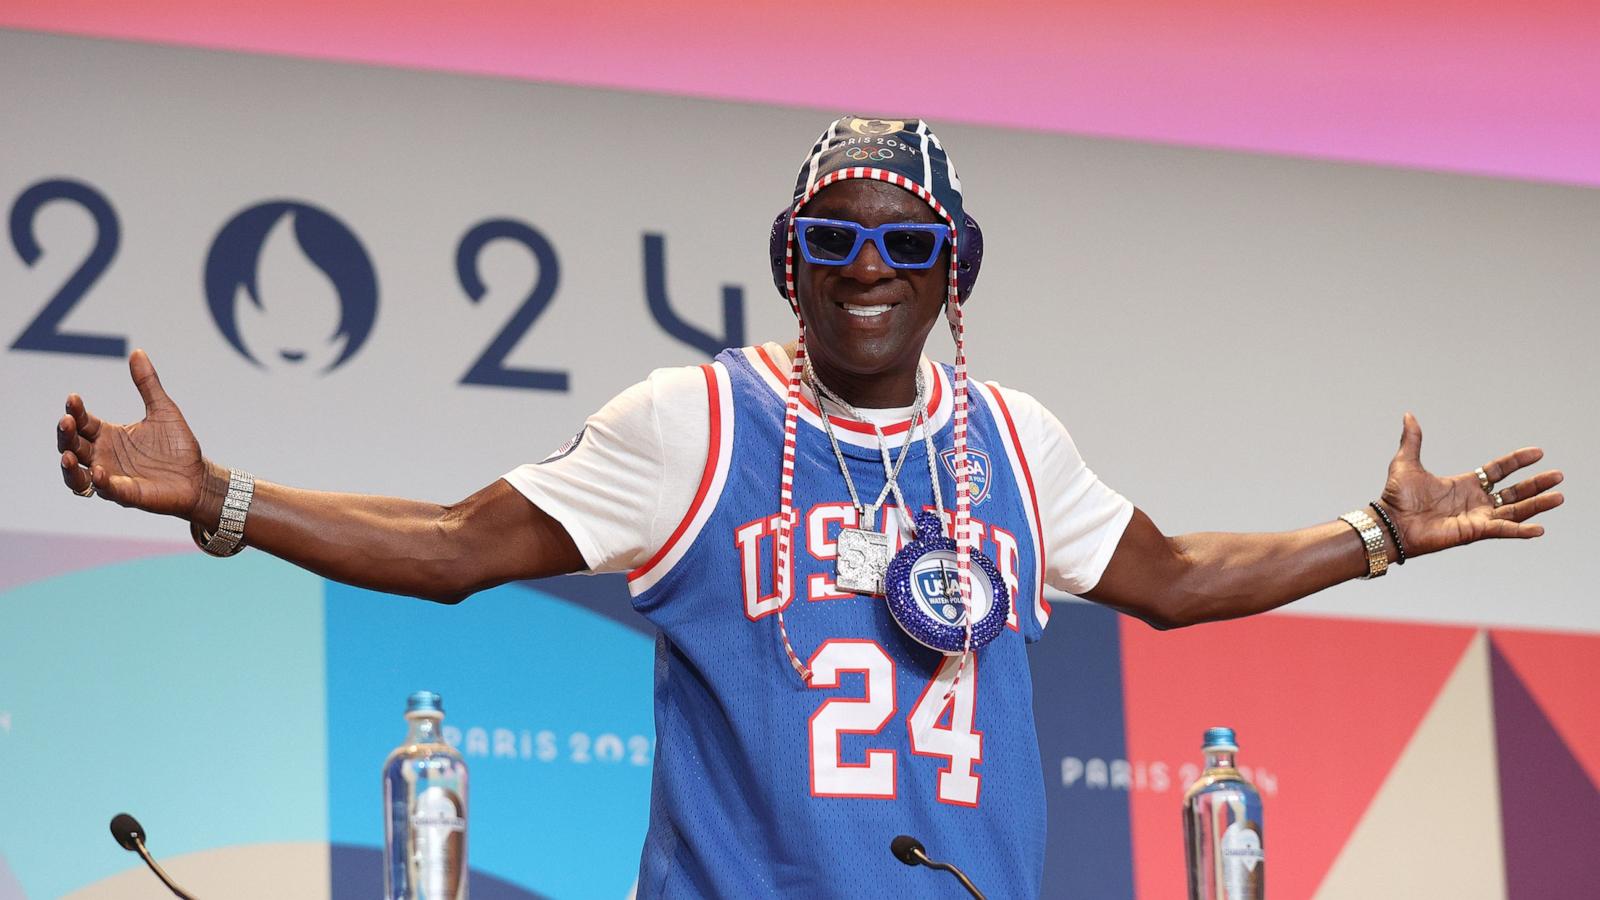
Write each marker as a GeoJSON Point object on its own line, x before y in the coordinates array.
{"type": "Point", "coordinates": [228, 539]}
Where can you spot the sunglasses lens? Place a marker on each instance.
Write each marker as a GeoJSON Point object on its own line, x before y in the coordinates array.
{"type": "Point", "coordinates": [829, 241]}
{"type": "Point", "coordinates": [910, 248]}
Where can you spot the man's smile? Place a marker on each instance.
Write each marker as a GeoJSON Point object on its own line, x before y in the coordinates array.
{"type": "Point", "coordinates": [862, 311]}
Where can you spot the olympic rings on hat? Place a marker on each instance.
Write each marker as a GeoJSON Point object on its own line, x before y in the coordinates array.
{"type": "Point", "coordinates": [877, 154]}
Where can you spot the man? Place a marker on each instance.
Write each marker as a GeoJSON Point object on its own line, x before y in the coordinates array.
{"type": "Point", "coordinates": [762, 504]}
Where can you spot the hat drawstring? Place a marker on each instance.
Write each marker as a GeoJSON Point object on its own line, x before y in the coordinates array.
{"type": "Point", "coordinates": [963, 537]}
{"type": "Point", "coordinates": [784, 577]}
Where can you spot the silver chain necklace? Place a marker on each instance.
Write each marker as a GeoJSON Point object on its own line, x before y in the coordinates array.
{"type": "Point", "coordinates": [863, 551]}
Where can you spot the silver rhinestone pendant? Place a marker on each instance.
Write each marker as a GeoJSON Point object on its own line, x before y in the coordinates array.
{"type": "Point", "coordinates": [862, 560]}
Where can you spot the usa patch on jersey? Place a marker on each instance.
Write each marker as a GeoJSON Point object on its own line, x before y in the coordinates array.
{"type": "Point", "coordinates": [977, 471]}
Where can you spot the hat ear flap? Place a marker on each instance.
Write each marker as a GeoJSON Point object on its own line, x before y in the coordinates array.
{"type": "Point", "coordinates": [969, 256]}
{"type": "Point", "coordinates": [777, 250]}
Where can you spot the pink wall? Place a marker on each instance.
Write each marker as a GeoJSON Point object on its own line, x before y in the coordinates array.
{"type": "Point", "coordinates": [1499, 88]}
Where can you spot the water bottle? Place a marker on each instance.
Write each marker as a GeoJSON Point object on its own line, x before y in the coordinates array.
{"type": "Point", "coordinates": [1222, 827]}
{"type": "Point", "coordinates": [425, 810]}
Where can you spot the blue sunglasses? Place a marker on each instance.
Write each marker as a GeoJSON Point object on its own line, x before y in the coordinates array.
{"type": "Point", "coordinates": [903, 245]}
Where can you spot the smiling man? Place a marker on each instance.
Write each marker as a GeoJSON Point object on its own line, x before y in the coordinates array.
{"type": "Point", "coordinates": [843, 544]}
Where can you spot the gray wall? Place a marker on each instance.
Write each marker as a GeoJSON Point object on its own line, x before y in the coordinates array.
{"type": "Point", "coordinates": [1232, 339]}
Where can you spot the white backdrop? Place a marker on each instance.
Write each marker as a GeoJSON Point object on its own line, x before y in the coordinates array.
{"type": "Point", "coordinates": [1232, 339]}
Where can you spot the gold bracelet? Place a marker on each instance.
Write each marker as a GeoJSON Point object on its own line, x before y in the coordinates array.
{"type": "Point", "coordinates": [1371, 539]}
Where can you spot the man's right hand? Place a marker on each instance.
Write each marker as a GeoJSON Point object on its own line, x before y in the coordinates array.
{"type": "Point", "coordinates": [154, 464]}
{"type": "Point", "coordinates": [389, 544]}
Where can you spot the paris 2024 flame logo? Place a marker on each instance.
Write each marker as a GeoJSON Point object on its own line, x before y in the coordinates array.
{"type": "Point", "coordinates": [291, 287]}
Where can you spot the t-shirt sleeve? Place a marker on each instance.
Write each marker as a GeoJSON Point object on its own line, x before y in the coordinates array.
{"type": "Point", "coordinates": [609, 485]}
{"type": "Point", "coordinates": [1080, 517]}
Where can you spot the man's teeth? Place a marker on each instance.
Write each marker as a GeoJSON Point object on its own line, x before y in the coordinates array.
{"type": "Point", "coordinates": [867, 312]}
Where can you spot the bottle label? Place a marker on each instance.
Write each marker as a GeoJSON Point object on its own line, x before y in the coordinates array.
{"type": "Point", "coordinates": [1242, 854]}
{"type": "Point", "coordinates": [439, 830]}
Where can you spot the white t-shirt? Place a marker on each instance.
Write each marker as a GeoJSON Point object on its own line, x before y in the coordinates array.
{"type": "Point", "coordinates": [625, 481]}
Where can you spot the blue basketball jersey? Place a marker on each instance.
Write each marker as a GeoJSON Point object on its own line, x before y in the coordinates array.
{"type": "Point", "coordinates": [764, 786]}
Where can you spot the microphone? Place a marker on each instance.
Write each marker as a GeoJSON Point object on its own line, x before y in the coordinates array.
{"type": "Point", "coordinates": [130, 835]}
{"type": "Point", "coordinates": [910, 851]}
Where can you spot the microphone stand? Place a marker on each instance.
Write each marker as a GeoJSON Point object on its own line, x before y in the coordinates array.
{"type": "Point", "coordinates": [161, 874]}
{"type": "Point", "coordinates": [960, 875]}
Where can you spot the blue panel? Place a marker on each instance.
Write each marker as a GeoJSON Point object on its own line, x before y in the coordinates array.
{"type": "Point", "coordinates": [183, 690]}
{"type": "Point", "coordinates": [1077, 701]}
{"type": "Point", "coordinates": [553, 708]}
{"type": "Point", "coordinates": [604, 595]}
{"type": "Point", "coordinates": [357, 869]}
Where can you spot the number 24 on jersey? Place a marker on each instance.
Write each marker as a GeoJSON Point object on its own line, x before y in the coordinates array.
{"type": "Point", "coordinates": [875, 778]}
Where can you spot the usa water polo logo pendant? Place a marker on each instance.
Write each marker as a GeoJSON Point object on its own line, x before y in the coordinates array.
{"type": "Point", "coordinates": [923, 587]}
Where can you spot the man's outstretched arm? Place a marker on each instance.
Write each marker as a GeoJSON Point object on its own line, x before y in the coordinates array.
{"type": "Point", "coordinates": [428, 550]}
{"type": "Point", "coordinates": [1192, 578]}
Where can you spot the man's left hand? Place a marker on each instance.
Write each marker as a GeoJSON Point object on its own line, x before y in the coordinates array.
{"type": "Point", "coordinates": [1434, 513]}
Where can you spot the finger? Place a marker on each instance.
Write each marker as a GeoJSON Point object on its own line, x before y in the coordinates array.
{"type": "Point", "coordinates": [75, 477]}
{"type": "Point", "coordinates": [88, 425]}
{"type": "Point", "coordinates": [119, 489]}
{"type": "Point", "coordinates": [1516, 459]}
{"type": "Point", "coordinates": [67, 439]}
{"type": "Point", "coordinates": [1531, 487]}
{"type": "Point", "coordinates": [1503, 466]}
{"type": "Point", "coordinates": [1504, 528]}
{"type": "Point", "coordinates": [1411, 440]}
{"type": "Point", "coordinates": [1523, 510]}
{"type": "Point", "coordinates": [146, 380]}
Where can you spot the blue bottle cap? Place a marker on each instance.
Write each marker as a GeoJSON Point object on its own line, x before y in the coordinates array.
{"type": "Point", "coordinates": [425, 701]}
{"type": "Point", "coordinates": [1219, 739]}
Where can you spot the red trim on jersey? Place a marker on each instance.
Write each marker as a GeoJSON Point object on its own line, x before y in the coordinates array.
{"type": "Point", "coordinates": [852, 425]}
{"type": "Point", "coordinates": [1033, 496]}
{"type": "Point", "coordinates": [713, 450]}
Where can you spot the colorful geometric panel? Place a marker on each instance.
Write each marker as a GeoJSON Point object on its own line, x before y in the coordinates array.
{"type": "Point", "coordinates": [1561, 670]}
{"type": "Point", "coordinates": [354, 867]}
{"type": "Point", "coordinates": [1549, 807]}
{"type": "Point", "coordinates": [1302, 693]}
{"type": "Point", "coordinates": [1077, 705]}
{"type": "Point", "coordinates": [1433, 830]}
{"type": "Point", "coordinates": [604, 595]}
{"type": "Point", "coordinates": [549, 703]}
{"type": "Point", "coordinates": [9, 888]}
{"type": "Point", "coordinates": [185, 690]}
{"type": "Point", "coordinates": [1475, 753]}
{"type": "Point", "coordinates": [26, 557]}
{"type": "Point", "coordinates": [251, 872]}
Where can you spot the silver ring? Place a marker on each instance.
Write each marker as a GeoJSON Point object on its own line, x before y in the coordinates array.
{"type": "Point", "coordinates": [86, 492]}
{"type": "Point", "coordinates": [1483, 481]}
{"type": "Point", "coordinates": [1499, 501]}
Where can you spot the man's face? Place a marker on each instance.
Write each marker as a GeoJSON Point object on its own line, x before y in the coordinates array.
{"type": "Point", "coordinates": [866, 322]}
